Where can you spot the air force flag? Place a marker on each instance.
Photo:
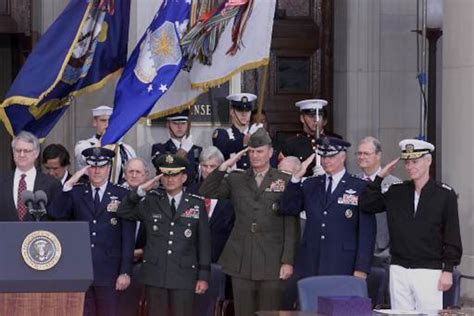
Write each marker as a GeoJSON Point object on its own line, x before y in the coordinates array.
{"type": "Point", "coordinates": [151, 70]}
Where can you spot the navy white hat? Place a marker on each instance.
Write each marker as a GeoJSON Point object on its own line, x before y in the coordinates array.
{"type": "Point", "coordinates": [242, 101]}
{"type": "Point", "coordinates": [98, 156]}
{"type": "Point", "coordinates": [102, 110]}
{"type": "Point", "coordinates": [330, 146]}
{"type": "Point", "coordinates": [415, 148]}
{"type": "Point", "coordinates": [182, 116]}
{"type": "Point", "coordinates": [311, 105]}
{"type": "Point", "coordinates": [170, 164]}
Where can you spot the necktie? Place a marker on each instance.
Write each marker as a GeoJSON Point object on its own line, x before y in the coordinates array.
{"type": "Point", "coordinates": [21, 207]}
{"type": "Point", "coordinates": [96, 200]}
{"type": "Point", "coordinates": [207, 204]}
{"type": "Point", "coordinates": [329, 189]}
{"type": "Point", "coordinates": [173, 207]}
{"type": "Point", "coordinates": [259, 179]}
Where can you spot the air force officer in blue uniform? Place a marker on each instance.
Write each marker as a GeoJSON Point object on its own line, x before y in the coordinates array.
{"type": "Point", "coordinates": [112, 238]}
{"type": "Point", "coordinates": [338, 237]}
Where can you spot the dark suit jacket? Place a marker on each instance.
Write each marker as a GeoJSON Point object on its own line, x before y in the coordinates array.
{"type": "Point", "coordinates": [8, 211]}
{"type": "Point", "coordinates": [220, 223]}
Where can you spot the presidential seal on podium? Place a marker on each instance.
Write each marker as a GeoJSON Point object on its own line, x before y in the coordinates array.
{"type": "Point", "coordinates": [41, 250]}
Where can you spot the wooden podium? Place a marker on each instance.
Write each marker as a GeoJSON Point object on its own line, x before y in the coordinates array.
{"type": "Point", "coordinates": [45, 269]}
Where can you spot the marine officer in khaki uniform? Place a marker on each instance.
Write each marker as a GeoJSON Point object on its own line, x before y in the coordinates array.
{"type": "Point", "coordinates": [177, 254]}
{"type": "Point", "coordinates": [260, 251]}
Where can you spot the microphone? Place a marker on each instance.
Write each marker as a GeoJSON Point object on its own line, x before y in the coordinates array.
{"type": "Point", "coordinates": [41, 199]}
{"type": "Point", "coordinates": [28, 199]}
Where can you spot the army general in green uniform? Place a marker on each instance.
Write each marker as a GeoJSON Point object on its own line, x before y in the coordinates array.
{"type": "Point", "coordinates": [260, 251]}
{"type": "Point", "coordinates": [177, 254]}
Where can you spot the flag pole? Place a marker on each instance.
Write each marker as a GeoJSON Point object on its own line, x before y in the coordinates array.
{"type": "Point", "coordinates": [261, 93]}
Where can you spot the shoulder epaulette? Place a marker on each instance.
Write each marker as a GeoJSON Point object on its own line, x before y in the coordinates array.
{"type": "Point", "coordinates": [196, 196]}
{"type": "Point", "coordinates": [156, 192]}
{"type": "Point", "coordinates": [444, 186]}
{"type": "Point", "coordinates": [123, 186]}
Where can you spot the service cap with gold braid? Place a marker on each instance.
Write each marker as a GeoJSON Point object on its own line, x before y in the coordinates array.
{"type": "Point", "coordinates": [170, 164]}
{"type": "Point", "coordinates": [415, 148]}
{"type": "Point", "coordinates": [98, 156]}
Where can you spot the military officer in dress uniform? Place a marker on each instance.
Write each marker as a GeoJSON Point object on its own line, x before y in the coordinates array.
{"type": "Point", "coordinates": [304, 145]}
{"type": "Point", "coordinates": [177, 255]}
{"type": "Point", "coordinates": [260, 251]}
{"type": "Point", "coordinates": [423, 223]}
{"type": "Point", "coordinates": [232, 140]}
{"type": "Point", "coordinates": [112, 239]}
{"type": "Point", "coordinates": [180, 143]}
{"type": "Point", "coordinates": [338, 238]}
{"type": "Point", "coordinates": [123, 151]}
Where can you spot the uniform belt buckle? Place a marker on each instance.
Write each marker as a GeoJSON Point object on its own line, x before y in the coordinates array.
{"type": "Point", "coordinates": [253, 228]}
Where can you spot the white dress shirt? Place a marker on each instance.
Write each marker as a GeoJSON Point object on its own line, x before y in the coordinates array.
{"type": "Point", "coordinates": [101, 190]}
{"type": "Point", "coordinates": [29, 179]}
{"type": "Point", "coordinates": [336, 178]}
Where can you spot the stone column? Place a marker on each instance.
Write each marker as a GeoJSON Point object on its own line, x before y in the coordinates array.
{"type": "Point", "coordinates": [457, 116]}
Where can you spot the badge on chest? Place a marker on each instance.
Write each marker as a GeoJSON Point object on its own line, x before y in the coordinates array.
{"type": "Point", "coordinates": [349, 198]}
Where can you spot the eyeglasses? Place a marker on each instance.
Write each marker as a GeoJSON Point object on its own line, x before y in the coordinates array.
{"type": "Point", "coordinates": [364, 153]}
{"type": "Point", "coordinates": [25, 151]}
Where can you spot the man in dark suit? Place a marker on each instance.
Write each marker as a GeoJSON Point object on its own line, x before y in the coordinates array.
{"type": "Point", "coordinates": [338, 238]}
{"type": "Point", "coordinates": [220, 211]}
{"type": "Point", "coordinates": [177, 254]}
{"type": "Point", "coordinates": [112, 239]}
{"type": "Point", "coordinates": [55, 161]}
{"type": "Point", "coordinates": [180, 143]}
{"type": "Point", "coordinates": [26, 150]}
{"type": "Point", "coordinates": [260, 251]}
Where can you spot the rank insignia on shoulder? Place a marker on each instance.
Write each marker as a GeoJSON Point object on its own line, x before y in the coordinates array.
{"type": "Point", "coordinates": [447, 187]}
{"type": "Point", "coordinates": [196, 196]}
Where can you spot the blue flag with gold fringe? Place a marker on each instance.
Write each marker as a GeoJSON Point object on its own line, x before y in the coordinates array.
{"type": "Point", "coordinates": [151, 70]}
{"type": "Point", "coordinates": [84, 48]}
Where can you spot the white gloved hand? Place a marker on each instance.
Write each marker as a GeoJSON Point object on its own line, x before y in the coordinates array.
{"type": "Point", "coordinates": [318, 171]}
{"type": "Point", "coordinates": [254, 127]}
{"type": "Point", "coordinates": [187, 143]}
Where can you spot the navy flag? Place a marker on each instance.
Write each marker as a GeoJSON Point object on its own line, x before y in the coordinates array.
{"type": "Point", "coordinates": [151, 70]}
{"type": "Point", "coordinates": [84, 48]}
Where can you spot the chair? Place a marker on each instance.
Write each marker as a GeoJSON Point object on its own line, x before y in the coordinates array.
{"type": "Point", "coordinates": [451, 298]}
{"type": "Point", "coordinates": [204, 305]}
{"type": "Point", "coordinates": [309, 289]}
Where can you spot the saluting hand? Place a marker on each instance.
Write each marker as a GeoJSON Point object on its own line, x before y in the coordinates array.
{"type": "Point", "coordinates": [201, 287]}
{"type": "Point", "coordinates": [75, 178]}
{"type": "Point", "coordinates": [304, 166]}
{"type": "Point", "coordinates": [152, 183]}
{"type": "Point", "coordinates": [232, 160]}
{"type": "Point", "coordinates": [388, 168]}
